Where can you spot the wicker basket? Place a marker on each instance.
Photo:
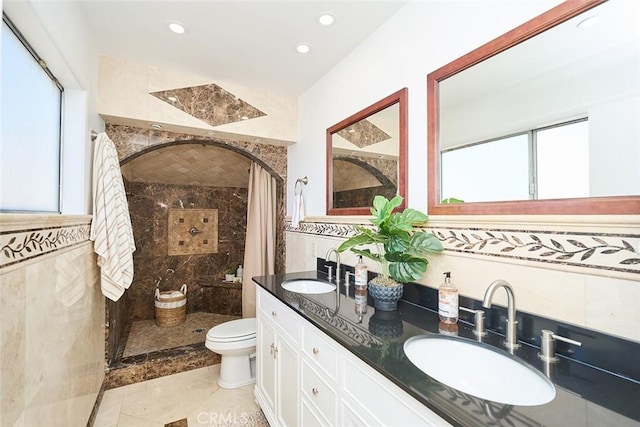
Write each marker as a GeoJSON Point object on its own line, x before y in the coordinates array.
{"type": "Point", "coordinates": [171, 308]}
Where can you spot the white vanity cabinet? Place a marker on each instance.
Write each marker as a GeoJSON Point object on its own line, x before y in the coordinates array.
{"type": "Point", "coordinates": [321, 383]}
{"type": "Point", "coordinates": [277, 362]}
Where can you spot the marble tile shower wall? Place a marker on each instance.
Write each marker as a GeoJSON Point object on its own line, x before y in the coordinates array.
{"type": "Point", "coordinates": [130, 141]}
{"type": "Point", "coordinates": [51, 321]}
{"type": "Point", "coordinates": [149, 206]}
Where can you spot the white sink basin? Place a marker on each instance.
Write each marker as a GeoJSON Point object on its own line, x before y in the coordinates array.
{"type": "Point", "coordinates": [479, 370]}
{"type": "Point", "coordinates": [308, 286]}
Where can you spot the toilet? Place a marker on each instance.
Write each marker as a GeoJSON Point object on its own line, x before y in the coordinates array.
{"type": "Point", "coordinates": [235, 341]}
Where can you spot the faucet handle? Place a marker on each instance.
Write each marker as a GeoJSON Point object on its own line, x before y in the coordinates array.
{"type": "Point", "coordinates": [346, 277]}
{"type": "Point", "coordinates": [548, 345]}
{"type": "Point", "coordinates": [478, 321]}
{"type": "Point", "coordinates": [329, 272]}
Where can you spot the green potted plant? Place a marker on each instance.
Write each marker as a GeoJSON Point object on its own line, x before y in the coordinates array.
{"type": "Point", "coordinates": [400, 246]}
{"type": "Point", "coordinates": [230, 273]}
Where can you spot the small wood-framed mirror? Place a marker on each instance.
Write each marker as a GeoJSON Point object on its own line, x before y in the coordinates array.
{"type": "Point", "coordinates": [367, 156]}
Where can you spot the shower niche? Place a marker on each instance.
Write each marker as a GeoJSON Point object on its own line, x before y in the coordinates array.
{"type": "Point", "coordinates": [192, 231]}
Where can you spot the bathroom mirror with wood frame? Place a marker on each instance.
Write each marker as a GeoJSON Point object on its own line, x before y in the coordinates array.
{"type": "Point", "coordinates": [367, 156]}
{"type": "Point", "coordinates": [622, 196]}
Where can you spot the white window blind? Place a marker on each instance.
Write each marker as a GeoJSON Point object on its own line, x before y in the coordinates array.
{"type": "Point", "coordinates": [31, 121]}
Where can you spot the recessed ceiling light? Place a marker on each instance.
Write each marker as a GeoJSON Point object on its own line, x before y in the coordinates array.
{"type": "Point", "coordinates": [172, 98]}
{"type": "Point", "coordinates": [156, 126]}
{"type": "Point", "coordinates": [589, 22]}
{"type": "Point", "coordinates": [303, 48]}
{"type": "Point", "coordinates": [326, 19]}
{"type": "Point", "coordinates": [245, 117]}
{"type": "Point", "coordinates": [176, 27]}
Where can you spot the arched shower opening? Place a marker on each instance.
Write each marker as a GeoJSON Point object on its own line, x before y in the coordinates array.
{"type": "Point", "coordinates": [165, 184]}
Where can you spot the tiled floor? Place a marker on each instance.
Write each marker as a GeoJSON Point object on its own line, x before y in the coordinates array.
{"type": "Point", "coordinates": [191, 397]}
{"type": "Point", "coordinates": [145, 336]}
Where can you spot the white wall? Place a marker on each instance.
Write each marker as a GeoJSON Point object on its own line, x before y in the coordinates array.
{"type": "Point", "coordinates": [421, 37]}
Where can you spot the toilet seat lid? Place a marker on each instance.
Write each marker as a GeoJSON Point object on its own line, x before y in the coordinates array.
{"type": "Point", "coordinates": [234, 330]}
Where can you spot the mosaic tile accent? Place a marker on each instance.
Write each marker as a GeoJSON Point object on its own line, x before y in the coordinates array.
{"type": "Point", "coordinates": [193, 231]}
{"type": "Point", "coordinates": [21, 245]}
{"type": "Point", "coordinates": [209, 103]}
{"type": "Point", "coordinates": [363, 134]}
{"type": "Point", "coordinates": [610, 252]}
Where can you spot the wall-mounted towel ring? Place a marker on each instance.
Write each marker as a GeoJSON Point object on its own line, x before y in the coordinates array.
{"type": "Point", "coordinates": [300, 181]}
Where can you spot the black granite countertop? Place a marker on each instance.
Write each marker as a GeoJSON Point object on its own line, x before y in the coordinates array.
{"type": "Point", "coordinates": [586, 395]}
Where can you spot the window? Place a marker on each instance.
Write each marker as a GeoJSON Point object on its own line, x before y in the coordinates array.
{"type": "Point", "coordinates": [30, 146]}
{"type": "Point", "coordinates": [544, 163]}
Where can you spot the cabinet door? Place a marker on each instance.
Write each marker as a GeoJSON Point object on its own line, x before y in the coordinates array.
{"type": "Point", "coordinates": [266, 366]}
{"type": "Point", "coordinates": [288, 383]}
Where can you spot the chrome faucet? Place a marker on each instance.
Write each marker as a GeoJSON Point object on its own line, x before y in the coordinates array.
{"type": "Point", "coordinates": [337, 306]}
{"type": "Point", "coordinates": [327, 256]}
{"type": "Point", "coordinates": [512, 324]}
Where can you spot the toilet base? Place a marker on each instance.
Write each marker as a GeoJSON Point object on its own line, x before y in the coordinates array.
{"type": "Point", "coordinates": [236, 371]}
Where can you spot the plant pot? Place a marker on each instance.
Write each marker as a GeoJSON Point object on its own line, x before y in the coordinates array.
{"type": "Point", "coordinates": [386, 324]}
{"type": "Point", "coordinates": [385, 297]}
{"type": "Point", "coordinates": [229, 277]}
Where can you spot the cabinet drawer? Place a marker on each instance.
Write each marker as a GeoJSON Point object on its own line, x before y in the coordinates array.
{"type": "Point", "coordinates": [322, 396]}
{"type": "Point", "coordinates": [320, 350]}
{"type": "Point", "coordinates": [280, 314]}
{"type": "Point", "coordinates": [369, 389]}
{"type": "Point", "coordinates": [308, 417]}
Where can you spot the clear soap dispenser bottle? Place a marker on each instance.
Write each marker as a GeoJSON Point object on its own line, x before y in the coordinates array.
{"type": "Point", "coordinates": [448, 301]}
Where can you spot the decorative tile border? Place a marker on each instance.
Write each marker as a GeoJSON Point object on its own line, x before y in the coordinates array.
{"type": "Point", "coordinates": [614, 252]}
{"type": "Point", "coordinates": [21, 245]}
{"type": "Point", "coordinates": [610, 252]}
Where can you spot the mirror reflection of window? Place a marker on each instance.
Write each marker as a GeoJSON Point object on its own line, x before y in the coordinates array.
{"type": "Point", "coordinates": [505, 169]}
{"type": "Point", "coordinates": [490, 171]}
{"type": "Point", "coordinates": [562, 154]}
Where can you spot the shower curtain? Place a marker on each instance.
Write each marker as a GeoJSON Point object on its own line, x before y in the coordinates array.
{"type": "Point", "coordinates": [260, 244]}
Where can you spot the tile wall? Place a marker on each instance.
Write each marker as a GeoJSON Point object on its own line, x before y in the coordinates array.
{"type": "Point", "coordinates": [579, 270]}
{"type": "Point", "coordinates": [51, 321]}
{"type": "Point", "coordinates": [149, 206]}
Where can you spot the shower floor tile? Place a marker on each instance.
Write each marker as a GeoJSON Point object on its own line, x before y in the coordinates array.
{"type": "Point", "coordinates": [146, 337]}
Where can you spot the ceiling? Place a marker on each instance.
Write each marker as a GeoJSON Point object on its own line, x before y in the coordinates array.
{"type": "Point", "coordinates": [248, 42]}
{"type": "Point", "coordinates": [251, 43]}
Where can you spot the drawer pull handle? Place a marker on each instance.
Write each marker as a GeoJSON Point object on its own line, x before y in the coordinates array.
{"type": "Point", "coordinates": [316, 350]}
{"type": "Point", "coordinates": [273, 313]}
{"type": "Point", "coordinates": [314, 391]}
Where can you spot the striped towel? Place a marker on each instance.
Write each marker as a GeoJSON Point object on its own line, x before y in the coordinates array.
{"type": "Point", "coordinates": [111, 228]}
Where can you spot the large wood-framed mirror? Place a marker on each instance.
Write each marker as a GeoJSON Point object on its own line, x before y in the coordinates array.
{"type": "Point", "coordinates": [511, 104]}
{"type": "Point", "coordinates": [367, 156]}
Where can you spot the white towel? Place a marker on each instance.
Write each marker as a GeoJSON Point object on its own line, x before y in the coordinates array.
{"type": "Point", "coordinates": [111, 228]}
{"type": "Point", "coordinates": [298, 210]}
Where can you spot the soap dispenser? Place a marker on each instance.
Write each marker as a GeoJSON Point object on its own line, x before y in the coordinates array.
{"type": "Point", "coordinates": [448, 301]}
